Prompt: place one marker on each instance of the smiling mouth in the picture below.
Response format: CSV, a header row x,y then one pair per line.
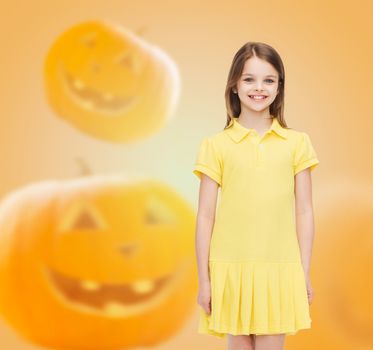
x,y
113,299
94,100
258,97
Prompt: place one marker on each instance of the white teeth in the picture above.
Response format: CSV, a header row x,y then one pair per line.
x,y
113,308
78,84
144,286
141,287
90,285
257,97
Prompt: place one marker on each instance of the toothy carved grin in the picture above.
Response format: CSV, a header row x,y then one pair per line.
x,y
92,99
113,299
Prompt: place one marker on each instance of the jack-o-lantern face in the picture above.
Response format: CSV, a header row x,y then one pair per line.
x,y
110,83
97,255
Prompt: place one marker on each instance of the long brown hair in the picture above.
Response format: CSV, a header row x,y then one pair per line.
x,y
264,52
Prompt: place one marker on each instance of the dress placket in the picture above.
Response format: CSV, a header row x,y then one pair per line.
x,y
259,147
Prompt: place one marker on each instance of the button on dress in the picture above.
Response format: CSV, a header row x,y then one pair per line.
x,y
257,279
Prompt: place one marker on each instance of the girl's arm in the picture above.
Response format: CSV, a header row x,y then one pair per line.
x,y
208,193
304,216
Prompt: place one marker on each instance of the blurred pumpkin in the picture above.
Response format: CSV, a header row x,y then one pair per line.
x,y
99,262
110,83
341,270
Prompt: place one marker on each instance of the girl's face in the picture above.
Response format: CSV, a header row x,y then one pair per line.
x,y
259,78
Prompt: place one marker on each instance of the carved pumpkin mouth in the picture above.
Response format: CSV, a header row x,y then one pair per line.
x,y
113,300
94,100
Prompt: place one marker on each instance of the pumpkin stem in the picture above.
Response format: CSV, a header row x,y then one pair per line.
x,y
84,167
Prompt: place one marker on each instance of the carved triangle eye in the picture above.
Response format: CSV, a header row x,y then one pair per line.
x,y
82,216
158,212
85,220
127,60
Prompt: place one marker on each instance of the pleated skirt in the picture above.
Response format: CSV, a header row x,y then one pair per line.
x,y
254,297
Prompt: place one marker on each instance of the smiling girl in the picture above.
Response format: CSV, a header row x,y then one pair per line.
x,y
254,249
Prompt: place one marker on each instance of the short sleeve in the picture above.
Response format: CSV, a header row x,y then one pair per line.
x,y
208,161
305,155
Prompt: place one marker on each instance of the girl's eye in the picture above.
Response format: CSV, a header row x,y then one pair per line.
x,y
270,80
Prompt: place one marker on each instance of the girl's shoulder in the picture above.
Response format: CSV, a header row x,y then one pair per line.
x,y
212,145
217,138
304,151
297,135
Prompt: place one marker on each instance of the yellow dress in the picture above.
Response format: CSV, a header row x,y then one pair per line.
x,y
256,275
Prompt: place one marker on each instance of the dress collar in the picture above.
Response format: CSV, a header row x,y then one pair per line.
x,y
237,131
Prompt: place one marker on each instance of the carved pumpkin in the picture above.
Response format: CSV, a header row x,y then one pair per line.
x,y
109,83
99,262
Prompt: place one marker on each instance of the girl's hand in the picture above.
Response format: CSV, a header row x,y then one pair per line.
x,y
204,296
309,289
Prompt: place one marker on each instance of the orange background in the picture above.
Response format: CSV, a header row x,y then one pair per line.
x,y
327,53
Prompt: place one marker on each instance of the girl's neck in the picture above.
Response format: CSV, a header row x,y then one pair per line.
x,y
259,121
